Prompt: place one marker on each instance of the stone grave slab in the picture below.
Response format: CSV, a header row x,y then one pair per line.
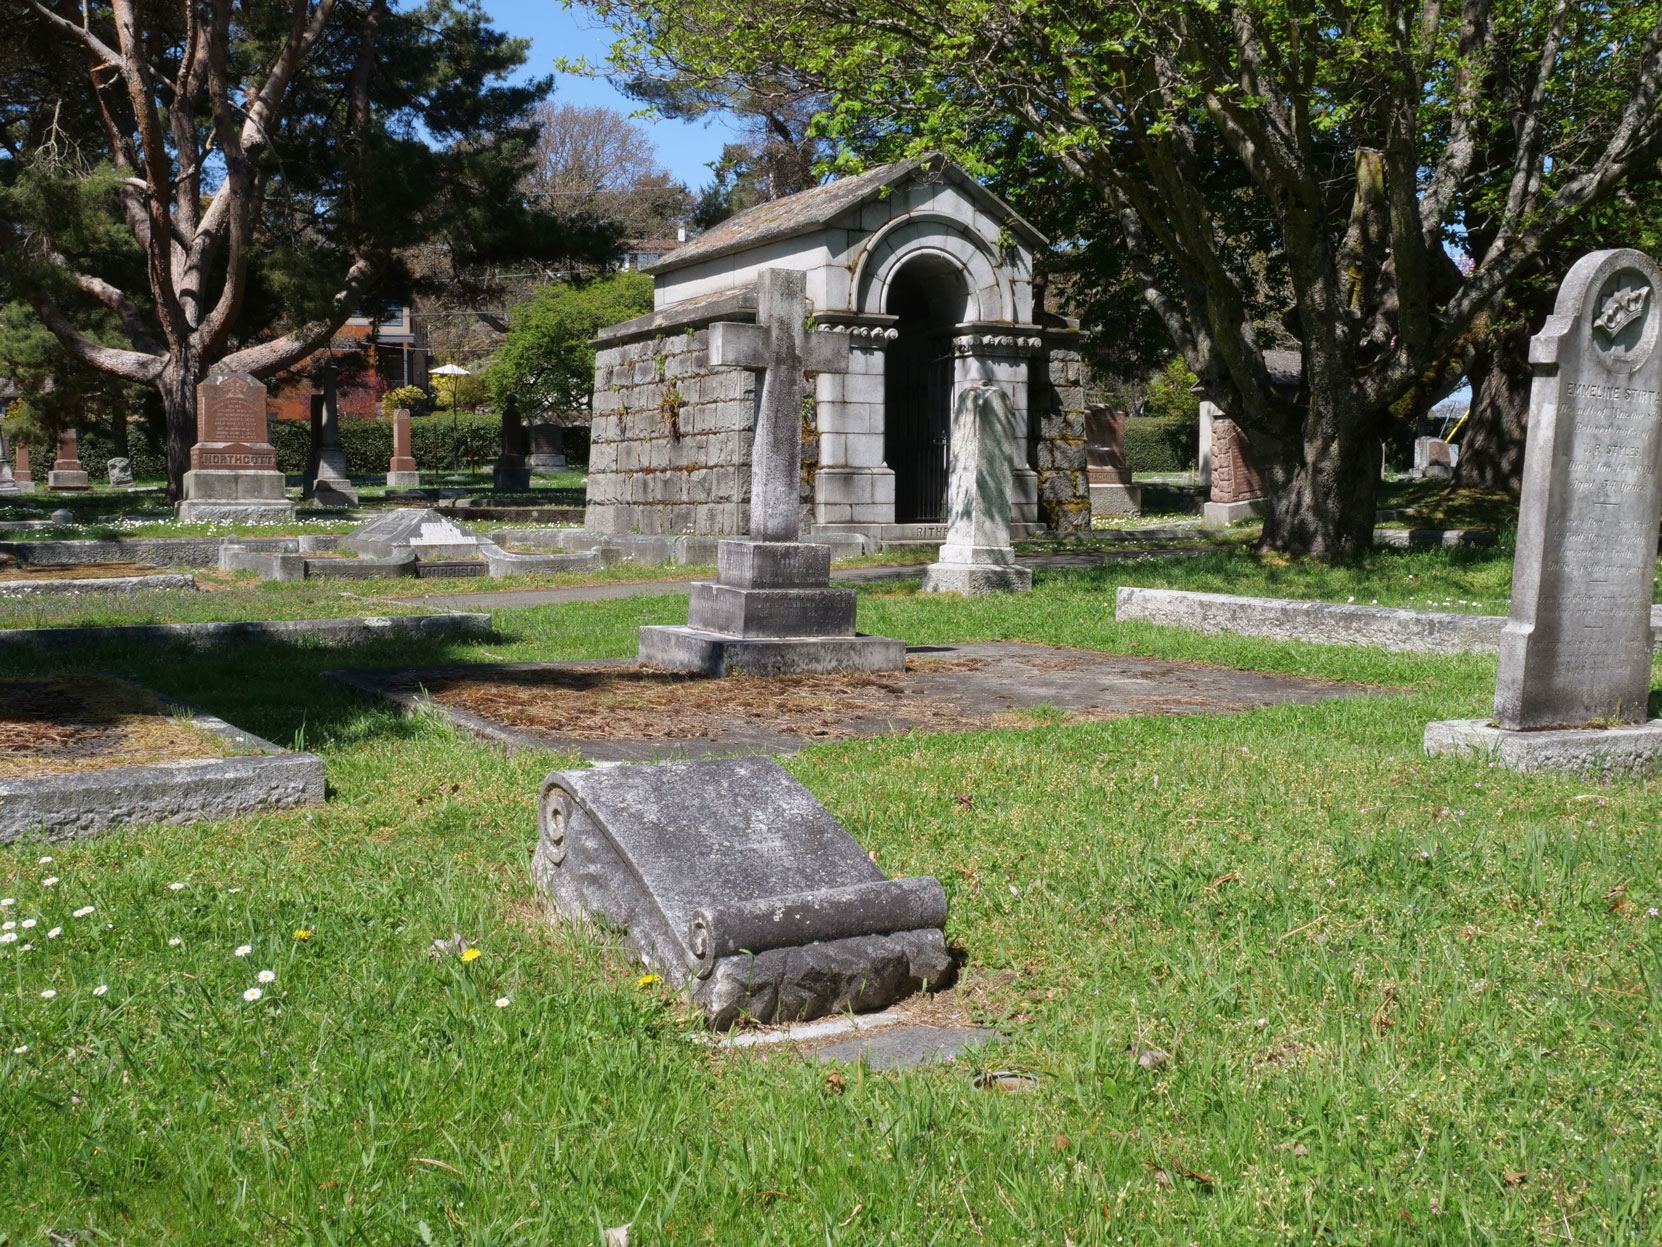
x,y
620,711
903,1047
771,609
733,882
233,476
78,757
417,530
1575,654
977,556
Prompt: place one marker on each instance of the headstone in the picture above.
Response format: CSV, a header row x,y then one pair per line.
x,y
977,556
1112,490
510,475
120,470
771,610
1575,655
738,887
547,448
401,471
1209,414
233,474
22,475
1433,458
1237,484
63,517
331,487
8,484
425,533
67,474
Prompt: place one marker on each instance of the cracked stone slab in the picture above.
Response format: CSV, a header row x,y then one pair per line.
x,y
904,1047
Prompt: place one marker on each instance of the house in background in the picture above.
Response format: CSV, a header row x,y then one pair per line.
x,y
372,357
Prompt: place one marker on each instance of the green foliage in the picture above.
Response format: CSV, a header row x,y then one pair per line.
x,y
1161,444
144,450
546,360
368,443
411,397
1170,393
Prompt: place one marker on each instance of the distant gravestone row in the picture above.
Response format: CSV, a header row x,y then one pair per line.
x,y
1575,658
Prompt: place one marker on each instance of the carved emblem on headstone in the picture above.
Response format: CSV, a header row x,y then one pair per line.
x,y
1620,324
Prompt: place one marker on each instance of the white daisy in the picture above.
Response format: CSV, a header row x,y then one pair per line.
x,y
502,1002
243,950
7,926
175,942
49,881
265,976
174,887
253,993
20,1049
8,938
27,923
6,902
48,994
27,948
100,989
46,861
54,933
83,911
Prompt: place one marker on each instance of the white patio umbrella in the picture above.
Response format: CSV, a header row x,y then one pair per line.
x,y
451,370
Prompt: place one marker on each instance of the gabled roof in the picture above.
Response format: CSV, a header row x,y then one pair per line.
x,y
813,209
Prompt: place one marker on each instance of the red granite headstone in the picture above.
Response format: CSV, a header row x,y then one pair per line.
x,y
230,426
1105,447
69,453
402,461
1235,474
21,473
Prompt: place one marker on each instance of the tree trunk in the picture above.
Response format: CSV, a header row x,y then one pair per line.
x,y
177,386
1323,492
1492,447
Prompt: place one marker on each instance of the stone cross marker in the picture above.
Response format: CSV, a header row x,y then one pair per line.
x,y
781,348
1577,647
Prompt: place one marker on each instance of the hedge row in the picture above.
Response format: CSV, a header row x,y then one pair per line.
x,y
93,445
435,444
1161,443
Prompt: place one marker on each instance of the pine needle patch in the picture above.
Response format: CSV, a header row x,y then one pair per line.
x,y
53,727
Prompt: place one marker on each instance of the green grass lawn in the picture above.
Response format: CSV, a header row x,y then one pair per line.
x,y
1405,1000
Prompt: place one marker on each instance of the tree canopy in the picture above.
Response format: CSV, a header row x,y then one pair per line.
x,y
546,361
1338,152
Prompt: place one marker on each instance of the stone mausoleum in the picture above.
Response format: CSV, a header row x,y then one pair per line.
x,y
930,276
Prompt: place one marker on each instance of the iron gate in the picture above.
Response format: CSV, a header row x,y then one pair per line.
x,y
918,421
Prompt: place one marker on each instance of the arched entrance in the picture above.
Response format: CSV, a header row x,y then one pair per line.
x,y
928,297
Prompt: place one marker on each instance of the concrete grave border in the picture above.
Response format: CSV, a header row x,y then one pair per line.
x,y
1321,623
164,583
352,630
1629,749
84,803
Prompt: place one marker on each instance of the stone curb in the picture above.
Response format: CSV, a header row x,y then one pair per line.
x,y
170,583
1632,749
84,803
350,631
1324,623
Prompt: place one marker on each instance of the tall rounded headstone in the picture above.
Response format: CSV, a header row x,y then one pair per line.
x,y
1577,647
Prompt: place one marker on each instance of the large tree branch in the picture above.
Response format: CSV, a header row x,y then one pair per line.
x,y
266,358
133,366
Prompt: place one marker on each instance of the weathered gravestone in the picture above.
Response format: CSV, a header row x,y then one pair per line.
x,y
547,447
233,474
120,470
401,471
510,475
67,474
977,556
1575,655
22,475
736,885
8,484
771,610
1237,489
331,487
1112,490
1434,458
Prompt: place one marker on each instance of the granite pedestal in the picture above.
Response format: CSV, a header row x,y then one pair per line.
x,y
977,556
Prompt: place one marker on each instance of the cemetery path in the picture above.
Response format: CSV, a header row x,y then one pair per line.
x,y
511,599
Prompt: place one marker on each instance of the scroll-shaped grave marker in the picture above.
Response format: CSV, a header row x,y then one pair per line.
x,y
737,885
1575,655
977,556
771,609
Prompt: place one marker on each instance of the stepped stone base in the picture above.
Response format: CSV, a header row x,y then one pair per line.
x,y
215,511
709,653
1222,514
1632,750
68,481
403,480
975,579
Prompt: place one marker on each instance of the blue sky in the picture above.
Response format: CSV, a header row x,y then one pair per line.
x,y
684,148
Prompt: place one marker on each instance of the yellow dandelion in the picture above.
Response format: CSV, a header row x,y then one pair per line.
x,y
472,954
646,980
302,934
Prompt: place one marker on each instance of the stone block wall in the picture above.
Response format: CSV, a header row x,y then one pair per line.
x,y
669,448
1057,399
1235,474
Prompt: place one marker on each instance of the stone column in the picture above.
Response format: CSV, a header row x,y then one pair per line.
x,y
1004,360
977,556
67,474
1237,484
1112,490
510,474
331,488
401,471
1209,412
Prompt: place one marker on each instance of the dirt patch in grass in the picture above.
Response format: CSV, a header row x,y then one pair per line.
x,y
52,727
11,571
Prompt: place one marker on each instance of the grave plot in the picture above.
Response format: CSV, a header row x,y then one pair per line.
x,y
34,579
622,711
81,755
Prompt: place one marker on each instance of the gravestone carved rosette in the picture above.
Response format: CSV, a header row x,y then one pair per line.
x,y
233,474
1575,654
